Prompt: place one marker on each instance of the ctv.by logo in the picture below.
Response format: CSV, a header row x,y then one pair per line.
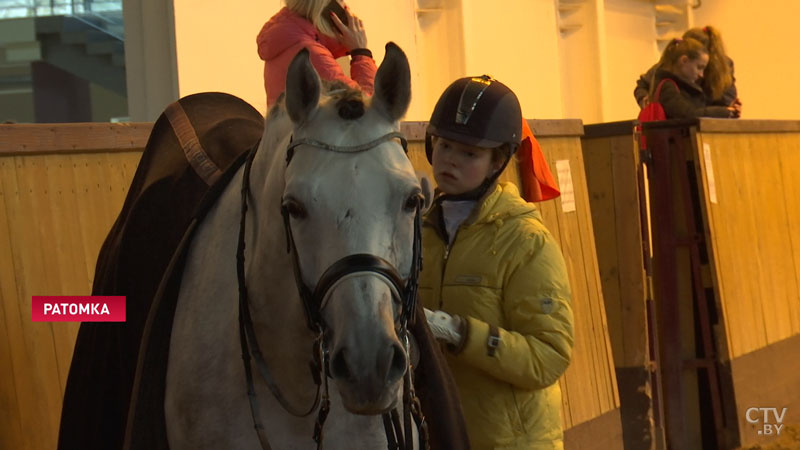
x,y
769,427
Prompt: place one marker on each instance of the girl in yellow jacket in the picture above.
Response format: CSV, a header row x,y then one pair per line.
x,y
494,283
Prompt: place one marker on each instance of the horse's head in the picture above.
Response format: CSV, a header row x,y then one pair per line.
x,y
342,201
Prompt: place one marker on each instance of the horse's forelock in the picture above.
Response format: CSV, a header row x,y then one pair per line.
x,y
348,101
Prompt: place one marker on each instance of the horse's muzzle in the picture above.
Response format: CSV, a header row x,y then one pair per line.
x,y
368,381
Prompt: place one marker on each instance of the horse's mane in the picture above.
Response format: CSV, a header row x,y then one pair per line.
x,y
349,101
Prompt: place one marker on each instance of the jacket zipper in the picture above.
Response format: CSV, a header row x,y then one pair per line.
x,y
447,248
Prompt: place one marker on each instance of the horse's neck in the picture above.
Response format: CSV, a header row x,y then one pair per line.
x,y
277,310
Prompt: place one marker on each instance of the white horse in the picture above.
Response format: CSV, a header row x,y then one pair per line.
x,y
346,187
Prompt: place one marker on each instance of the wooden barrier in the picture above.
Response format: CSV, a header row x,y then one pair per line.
x,y
744,197
614,179
61,187
725,274
749,179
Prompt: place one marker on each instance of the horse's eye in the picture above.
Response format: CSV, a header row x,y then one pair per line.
x,y
294,208
412,202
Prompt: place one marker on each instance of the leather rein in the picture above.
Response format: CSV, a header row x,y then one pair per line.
x,y
398,435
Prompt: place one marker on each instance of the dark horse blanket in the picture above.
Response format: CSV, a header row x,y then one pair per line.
x,y
195,147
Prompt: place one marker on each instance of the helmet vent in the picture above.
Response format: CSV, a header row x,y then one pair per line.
x,y
470,96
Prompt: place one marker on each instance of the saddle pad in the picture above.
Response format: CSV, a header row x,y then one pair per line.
x,y
166,190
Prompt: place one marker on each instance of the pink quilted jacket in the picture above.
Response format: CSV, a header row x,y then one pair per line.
x,y
285,34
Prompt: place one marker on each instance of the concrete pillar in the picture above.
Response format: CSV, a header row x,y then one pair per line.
x,y
150,57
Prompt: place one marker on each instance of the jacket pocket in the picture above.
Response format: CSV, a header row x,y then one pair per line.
x,y
480,302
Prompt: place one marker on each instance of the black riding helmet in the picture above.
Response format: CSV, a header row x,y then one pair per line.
x,y
478,111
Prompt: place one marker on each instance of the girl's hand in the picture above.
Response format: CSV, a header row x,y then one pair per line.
x,y
352,35
445,327
735,108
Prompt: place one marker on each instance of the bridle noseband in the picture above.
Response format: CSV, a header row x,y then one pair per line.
x,y
362,262
314,302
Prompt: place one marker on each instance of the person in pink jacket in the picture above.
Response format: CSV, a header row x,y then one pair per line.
x,y
311,24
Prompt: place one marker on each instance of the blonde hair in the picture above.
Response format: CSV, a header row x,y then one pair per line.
x,y
311,10
717,76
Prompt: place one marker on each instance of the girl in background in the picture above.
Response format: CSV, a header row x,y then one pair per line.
x,y
329,31
717,81
677,75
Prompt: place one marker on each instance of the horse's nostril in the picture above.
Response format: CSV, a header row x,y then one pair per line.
x,y
339,368
399,364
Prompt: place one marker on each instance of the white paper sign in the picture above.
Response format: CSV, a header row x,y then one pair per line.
x,y
565,184
712,186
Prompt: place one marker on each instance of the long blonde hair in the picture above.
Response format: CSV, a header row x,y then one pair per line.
x,y
718,77
312,11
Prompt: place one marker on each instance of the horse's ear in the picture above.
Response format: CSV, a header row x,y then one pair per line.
x,y
302,87
393,84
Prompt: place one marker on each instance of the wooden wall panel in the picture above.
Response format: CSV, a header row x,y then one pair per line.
x,y
579,248
55,210
625,164
753,242
611,171
751,229
67,243
611,156
32,348
600,178
789,151
11,435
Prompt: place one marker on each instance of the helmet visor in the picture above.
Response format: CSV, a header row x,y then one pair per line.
x,y
463,137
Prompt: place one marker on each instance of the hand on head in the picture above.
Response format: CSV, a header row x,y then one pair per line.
x,y
352,35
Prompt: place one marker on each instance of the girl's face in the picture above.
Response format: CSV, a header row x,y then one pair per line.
x,y
460,168
692,69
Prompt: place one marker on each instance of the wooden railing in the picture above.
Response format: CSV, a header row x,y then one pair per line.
x,y
709,223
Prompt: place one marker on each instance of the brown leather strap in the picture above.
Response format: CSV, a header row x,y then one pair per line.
x,y
494,340
197,157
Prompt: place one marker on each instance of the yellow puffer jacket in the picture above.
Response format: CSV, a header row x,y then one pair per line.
x,y
503,269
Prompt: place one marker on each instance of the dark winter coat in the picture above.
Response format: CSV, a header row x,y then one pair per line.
x,y
686,100
643,88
